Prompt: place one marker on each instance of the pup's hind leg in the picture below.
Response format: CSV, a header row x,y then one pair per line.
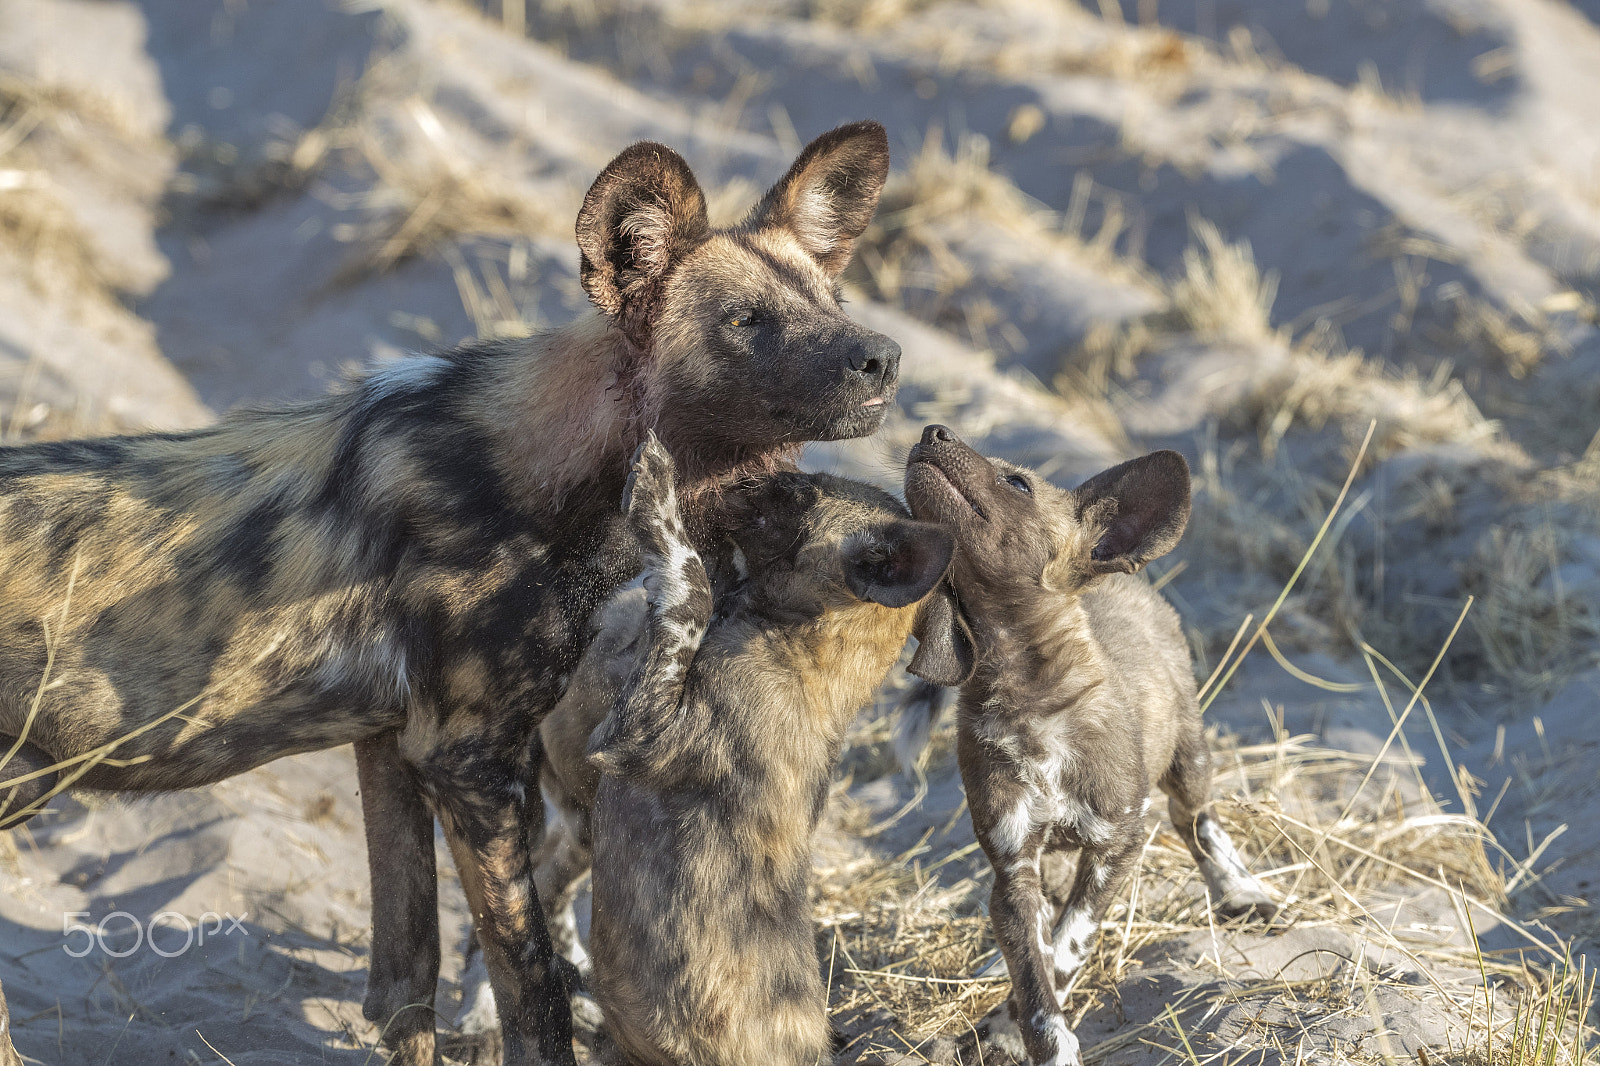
x,y
27,798
1235,892
560,865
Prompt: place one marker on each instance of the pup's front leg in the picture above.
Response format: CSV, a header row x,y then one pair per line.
x,y
678,595
1103,869
403,968
675,582
1021,917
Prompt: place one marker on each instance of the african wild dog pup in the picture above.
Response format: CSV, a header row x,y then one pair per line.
x,y
1082,697
410,564
718,753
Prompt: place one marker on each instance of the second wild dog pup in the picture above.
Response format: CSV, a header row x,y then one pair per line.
x,y
718,753
1083,696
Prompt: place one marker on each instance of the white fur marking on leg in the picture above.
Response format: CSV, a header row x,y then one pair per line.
x,y
478,1011
1074,939
1041,930
1055,1028
1012,830
1224,868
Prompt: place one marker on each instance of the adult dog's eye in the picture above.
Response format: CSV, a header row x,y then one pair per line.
x,y
1017,481
741,318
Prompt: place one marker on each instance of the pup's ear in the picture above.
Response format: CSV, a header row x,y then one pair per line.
x,y
945,654
828,197
642,215
898,564
1137,511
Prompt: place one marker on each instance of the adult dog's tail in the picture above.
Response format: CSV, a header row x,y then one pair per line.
x,y
33,770
924,705
8,1054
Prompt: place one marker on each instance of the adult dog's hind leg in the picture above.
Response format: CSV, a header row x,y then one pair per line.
x,y
403,969
1235,892
26,798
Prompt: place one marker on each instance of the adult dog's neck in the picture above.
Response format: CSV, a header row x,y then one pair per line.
x,y
567,409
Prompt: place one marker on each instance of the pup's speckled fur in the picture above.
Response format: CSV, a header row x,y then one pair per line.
x,y
727,722
1082,698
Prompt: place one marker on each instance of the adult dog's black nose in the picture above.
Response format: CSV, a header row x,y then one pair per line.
x,y
937,433
876,358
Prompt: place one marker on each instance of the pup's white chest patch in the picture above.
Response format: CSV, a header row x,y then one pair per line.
x,y
1047,798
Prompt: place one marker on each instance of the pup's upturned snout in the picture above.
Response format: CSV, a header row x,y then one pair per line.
x,y
937,441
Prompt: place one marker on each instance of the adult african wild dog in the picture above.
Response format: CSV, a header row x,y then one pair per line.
x,y
1083,697
719,748
410,564
8,1053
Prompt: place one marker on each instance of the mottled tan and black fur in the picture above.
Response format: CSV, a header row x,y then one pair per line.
x,y
8,1053
718,752
410,564
1083,697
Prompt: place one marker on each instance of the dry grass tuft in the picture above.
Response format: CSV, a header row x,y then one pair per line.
x,y
1535,634
1516,341
914,254
35,222
1312,388
1222,294
866,14
426,195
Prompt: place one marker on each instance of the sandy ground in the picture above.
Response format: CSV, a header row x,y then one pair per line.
x,y
1245,229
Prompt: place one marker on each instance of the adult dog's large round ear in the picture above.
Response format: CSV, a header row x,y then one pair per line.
x,y
898,564
1138,509
828,196
642,215
945,653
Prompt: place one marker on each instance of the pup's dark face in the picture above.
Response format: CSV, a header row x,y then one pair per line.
x,y
739,341
1016,532
827,550
816,544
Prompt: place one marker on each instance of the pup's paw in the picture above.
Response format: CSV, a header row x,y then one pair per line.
x,y
995,967
587,1018
649,499
478,1015
999,1032
1249,902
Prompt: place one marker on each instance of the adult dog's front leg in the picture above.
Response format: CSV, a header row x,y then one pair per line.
x,y
487,838
403,967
